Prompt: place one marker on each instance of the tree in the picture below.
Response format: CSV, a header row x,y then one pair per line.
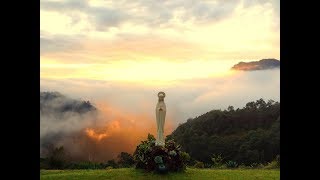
x,y
125,159
112,163
261,104
57,158
270,103
231,109
250,105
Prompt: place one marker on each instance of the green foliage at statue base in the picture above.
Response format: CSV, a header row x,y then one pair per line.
x,y
160,159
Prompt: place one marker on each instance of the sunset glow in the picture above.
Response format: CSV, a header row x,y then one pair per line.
x,y
136,71
119,54
98,136
78,44
129,128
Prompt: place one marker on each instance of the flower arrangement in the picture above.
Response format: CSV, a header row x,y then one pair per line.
x,y
161,159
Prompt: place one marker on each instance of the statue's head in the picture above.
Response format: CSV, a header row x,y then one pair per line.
x,y
161,96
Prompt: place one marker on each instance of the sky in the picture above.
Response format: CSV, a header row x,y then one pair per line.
x,y
119,54
132,40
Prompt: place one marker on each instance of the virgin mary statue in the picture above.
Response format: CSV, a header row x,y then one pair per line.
x,y
160,116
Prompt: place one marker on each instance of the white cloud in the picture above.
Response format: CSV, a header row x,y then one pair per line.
x,y
218,29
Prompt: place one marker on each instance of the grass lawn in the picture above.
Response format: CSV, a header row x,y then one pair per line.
x,y
130,173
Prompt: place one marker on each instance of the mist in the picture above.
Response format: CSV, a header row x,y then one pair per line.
x,y
184,98
90,134
126,111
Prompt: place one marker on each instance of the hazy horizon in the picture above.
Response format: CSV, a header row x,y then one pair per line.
x,y
120,54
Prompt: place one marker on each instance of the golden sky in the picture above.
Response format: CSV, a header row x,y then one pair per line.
x,y
156,41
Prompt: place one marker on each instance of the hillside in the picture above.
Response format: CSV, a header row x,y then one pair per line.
x,y
55,102
247,135
60,117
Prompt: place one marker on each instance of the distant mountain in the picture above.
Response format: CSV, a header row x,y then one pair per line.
x,y
263,64
55,102
61,117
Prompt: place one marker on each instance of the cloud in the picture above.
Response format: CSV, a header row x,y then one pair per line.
x,y
112,30
152,13
60,114
100,17
59,43
275,4
263,64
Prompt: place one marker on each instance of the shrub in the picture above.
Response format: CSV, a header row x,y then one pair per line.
x,y
44,163
86,165
125,160
199,164
274,164
222,167
278,159
109,167
112,163
231,164
185,157
242,166
150,157
256,165
207,165
217,160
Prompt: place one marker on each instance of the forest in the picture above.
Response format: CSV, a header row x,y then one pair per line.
x,y
250,135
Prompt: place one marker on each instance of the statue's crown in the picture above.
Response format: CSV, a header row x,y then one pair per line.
x,y
161,94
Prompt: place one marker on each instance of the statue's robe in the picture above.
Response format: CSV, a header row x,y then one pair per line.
x,y
160,115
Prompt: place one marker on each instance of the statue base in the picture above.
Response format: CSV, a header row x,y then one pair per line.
x,y
160,143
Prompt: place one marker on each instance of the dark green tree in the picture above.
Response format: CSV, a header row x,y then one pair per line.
x,y
125,159
112,163
57,158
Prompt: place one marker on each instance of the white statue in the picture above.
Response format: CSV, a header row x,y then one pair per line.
x,y
160,115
